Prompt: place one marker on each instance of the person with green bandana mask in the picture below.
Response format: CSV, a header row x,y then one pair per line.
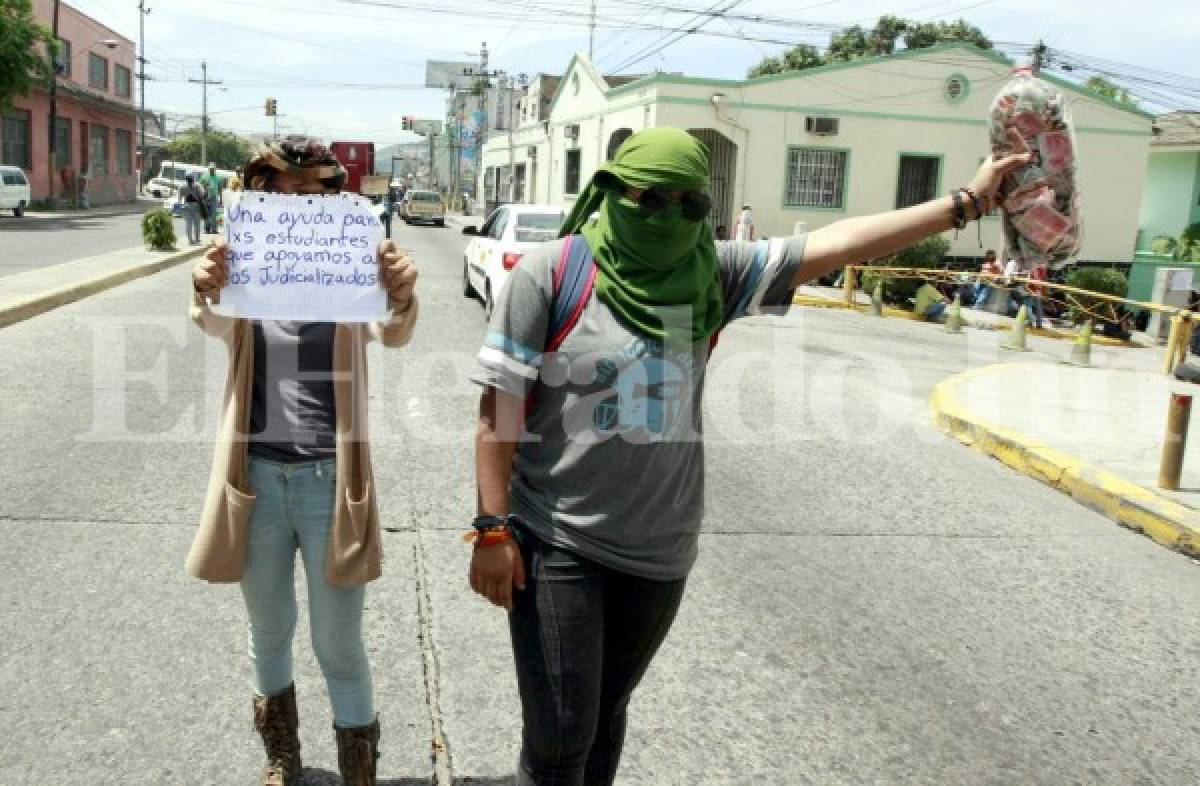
x,y
590,458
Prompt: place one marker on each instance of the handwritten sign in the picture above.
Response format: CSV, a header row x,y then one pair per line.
x,y
309,257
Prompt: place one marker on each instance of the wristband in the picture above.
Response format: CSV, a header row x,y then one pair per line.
x,y
975,203
489,536
483,521
960,213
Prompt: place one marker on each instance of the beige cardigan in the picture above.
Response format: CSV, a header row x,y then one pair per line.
x,y
218,551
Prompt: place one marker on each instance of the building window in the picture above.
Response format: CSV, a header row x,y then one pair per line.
x,y
121,81
97,71
571,184
816,177
124,152
917,181
98,152
16,140
489,183
62,141
62,58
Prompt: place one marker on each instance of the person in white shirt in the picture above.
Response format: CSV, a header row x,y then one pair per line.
x,y
744,230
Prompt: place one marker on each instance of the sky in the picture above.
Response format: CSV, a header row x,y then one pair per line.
x,y
352,69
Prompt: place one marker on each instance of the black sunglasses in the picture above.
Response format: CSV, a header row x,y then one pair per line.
x,y
695,205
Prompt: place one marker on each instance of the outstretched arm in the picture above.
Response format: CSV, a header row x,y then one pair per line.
x,y
858,239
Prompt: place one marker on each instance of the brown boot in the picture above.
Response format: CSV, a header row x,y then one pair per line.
x,y
276,719
358,748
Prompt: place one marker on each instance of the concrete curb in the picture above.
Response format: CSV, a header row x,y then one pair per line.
x,y
1165,521
42,302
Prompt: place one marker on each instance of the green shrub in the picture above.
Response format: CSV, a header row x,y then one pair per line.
x,y
158,230
1164,245
1106,281
927,254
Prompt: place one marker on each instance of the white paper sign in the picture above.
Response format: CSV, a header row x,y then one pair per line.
x,y
307,257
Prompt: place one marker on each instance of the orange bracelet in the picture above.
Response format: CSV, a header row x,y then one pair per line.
x,y
489,536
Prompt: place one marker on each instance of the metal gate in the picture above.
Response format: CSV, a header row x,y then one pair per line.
x,y
723,152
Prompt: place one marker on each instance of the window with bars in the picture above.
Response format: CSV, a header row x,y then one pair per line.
x,y
122,81
16,140
98,151
124,152
62,58
917,180
816,177
571,182
97,71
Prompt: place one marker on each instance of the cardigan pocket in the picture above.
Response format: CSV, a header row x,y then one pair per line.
x,y
239,506
218,551
360,513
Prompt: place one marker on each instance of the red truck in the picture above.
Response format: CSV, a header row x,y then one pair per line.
x,y
358,158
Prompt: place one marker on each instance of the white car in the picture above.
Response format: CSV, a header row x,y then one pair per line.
x,y
14,190
161,188
497,247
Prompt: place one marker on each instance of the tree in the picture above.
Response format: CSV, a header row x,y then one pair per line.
x,y
24,51
931,33
854,41
1106,89
225,149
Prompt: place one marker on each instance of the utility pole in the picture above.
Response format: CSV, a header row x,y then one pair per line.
x,y
52,157
141,60
592,30
205,81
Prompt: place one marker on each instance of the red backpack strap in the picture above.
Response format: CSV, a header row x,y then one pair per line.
x,y
574,277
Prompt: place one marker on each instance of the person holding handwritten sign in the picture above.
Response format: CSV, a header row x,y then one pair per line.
x,y
292,470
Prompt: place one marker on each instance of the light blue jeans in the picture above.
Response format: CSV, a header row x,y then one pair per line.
x,y
294,509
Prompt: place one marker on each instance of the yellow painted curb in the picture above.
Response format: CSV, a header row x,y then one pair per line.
x,y
42,302
1165,521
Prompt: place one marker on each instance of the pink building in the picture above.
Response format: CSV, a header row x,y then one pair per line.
x,y
96,128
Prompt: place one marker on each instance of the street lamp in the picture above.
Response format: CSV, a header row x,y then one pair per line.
x,y
52,156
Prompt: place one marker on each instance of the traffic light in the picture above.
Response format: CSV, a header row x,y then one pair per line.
x,y
407,124
271,107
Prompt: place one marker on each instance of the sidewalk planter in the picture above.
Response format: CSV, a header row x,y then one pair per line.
x,y
158,230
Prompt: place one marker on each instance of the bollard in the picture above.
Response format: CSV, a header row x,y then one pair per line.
x,y
848,286
954,323
876,309
1081,350
1179,412
1017,344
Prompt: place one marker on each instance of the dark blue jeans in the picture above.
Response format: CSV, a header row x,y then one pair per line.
x,y
583,636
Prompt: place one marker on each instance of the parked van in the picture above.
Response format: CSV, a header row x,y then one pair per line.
x,y
14,190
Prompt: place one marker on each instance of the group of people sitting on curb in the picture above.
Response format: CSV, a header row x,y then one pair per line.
x,y
995,290
589,490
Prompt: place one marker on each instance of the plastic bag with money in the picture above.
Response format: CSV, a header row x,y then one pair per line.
x,y
1041,201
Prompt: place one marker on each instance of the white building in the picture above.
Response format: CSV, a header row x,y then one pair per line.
x,y
814,146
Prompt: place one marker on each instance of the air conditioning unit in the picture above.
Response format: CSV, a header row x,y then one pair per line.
x,y
821,126
571,131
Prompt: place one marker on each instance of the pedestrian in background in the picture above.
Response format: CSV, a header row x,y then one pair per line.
x,y
235,182
212,188
983,290
192,197
1036,291
292,471
589,447
743,230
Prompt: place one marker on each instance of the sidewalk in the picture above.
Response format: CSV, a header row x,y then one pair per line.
x,y
1093,433
34,292
142,205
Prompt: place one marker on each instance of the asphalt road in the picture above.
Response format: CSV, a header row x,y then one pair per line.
x,y
33,242
874,603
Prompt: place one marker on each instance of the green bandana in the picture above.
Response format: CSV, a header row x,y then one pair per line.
x,y
658,268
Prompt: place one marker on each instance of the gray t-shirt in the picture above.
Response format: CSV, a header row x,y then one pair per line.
x,y
292,413
612,465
